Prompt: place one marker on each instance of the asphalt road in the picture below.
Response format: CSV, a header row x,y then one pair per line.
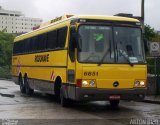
x,y
43,109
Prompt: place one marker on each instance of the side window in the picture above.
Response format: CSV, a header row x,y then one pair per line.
x,y
62,34
15,48
41,43
52,40
27,45
33,43
22,46
24,49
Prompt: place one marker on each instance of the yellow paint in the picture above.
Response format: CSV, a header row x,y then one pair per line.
x,y
125,74
66,21
107,73
41,70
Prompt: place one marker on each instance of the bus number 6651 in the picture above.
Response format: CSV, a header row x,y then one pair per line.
x,y
90,73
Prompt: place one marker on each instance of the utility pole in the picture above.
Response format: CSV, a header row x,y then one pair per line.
x,y
142,14
142,11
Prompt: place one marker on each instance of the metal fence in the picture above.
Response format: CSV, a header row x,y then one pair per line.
x,y
153,87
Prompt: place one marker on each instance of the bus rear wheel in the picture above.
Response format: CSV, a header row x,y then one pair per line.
x,y
29,91
22,85
114,103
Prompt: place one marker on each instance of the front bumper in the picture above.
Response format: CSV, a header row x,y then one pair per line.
x,y
89,94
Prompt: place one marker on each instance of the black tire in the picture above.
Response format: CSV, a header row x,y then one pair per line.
x,y
114,103
22,85
29,90
57,88
64,102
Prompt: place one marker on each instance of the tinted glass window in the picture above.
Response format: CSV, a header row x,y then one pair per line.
x,y
52,40
41,44
33,44
62,33
27,45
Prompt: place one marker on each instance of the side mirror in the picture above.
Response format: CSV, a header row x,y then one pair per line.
x,y
73,42
73,37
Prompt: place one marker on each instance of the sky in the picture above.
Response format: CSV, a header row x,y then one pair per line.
x,y
49,9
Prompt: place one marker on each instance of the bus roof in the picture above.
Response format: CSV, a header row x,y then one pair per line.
x,y
44,28
103,17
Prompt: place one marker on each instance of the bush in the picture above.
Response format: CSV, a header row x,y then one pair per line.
x,y
5,72
6,43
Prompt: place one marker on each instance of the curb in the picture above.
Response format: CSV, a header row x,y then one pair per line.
x,y
7,95
6,79
151,101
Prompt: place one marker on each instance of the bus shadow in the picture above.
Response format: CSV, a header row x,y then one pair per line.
x,y
103,109
89,107
37,96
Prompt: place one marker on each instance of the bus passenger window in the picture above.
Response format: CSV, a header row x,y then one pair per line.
x,y
52,39
27,45
42,41
33,44
62,34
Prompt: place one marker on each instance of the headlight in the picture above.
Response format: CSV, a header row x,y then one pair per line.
x,y
142,83
88,83
92,83
139,83
85,83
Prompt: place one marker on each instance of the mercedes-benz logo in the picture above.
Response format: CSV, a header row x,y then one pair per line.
x,y
116,84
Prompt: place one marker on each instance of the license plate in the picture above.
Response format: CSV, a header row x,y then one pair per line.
x,y
115,97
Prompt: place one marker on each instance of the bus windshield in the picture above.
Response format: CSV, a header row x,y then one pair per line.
x,y
107,44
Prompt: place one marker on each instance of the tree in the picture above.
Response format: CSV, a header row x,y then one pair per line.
x,y
6,43
149,32
156,38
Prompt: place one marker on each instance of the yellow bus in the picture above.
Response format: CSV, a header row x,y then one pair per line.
x,y
83,58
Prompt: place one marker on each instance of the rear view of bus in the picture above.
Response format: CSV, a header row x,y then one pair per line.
x,y
107,59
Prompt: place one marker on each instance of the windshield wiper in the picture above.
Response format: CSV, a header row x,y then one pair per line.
x,y
124,54
103,57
